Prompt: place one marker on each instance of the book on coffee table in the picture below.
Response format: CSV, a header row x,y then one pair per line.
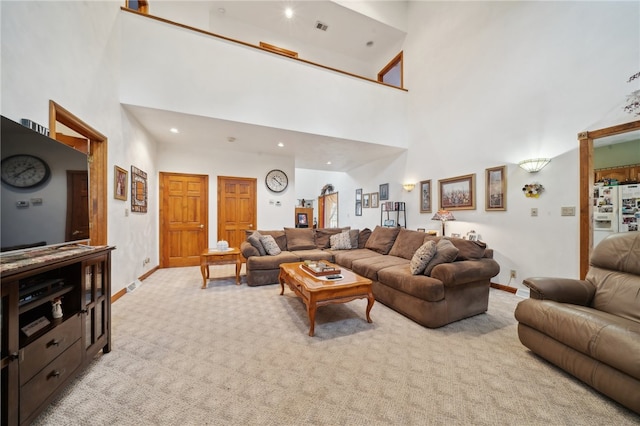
x,y
321,269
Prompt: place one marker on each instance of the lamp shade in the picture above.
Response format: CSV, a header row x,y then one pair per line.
x,y
443,215
534,165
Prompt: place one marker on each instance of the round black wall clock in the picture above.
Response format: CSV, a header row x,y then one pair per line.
x,y
24,171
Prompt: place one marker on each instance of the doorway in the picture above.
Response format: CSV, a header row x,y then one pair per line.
x,y
237,208
184,223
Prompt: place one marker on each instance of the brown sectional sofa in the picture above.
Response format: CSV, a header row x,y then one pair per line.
x,y
591,328
453,290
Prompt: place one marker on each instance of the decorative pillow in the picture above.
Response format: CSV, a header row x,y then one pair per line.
x,y
382,239
300,238
254,240
468,250
363,237
341,241
270,245
354,234
421,257
445,252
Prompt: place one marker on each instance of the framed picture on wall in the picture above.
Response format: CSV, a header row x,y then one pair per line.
x,y
496,189
120,183
374,200
138,190
358,194
358,208
384,191
365,200
425,196
458,193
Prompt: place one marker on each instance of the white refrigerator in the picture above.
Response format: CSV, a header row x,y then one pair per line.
x,y
629,214
605,209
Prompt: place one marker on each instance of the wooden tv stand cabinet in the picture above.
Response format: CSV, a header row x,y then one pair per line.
x,y
41,354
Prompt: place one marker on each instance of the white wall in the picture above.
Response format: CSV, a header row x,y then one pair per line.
x,y
43,59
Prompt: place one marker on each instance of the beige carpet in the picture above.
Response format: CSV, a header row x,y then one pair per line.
x,y
239,355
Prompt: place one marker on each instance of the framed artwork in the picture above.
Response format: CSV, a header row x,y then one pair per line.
x,y
458,193
358,194
138,190
384,191
365,200
422,230
374,200
425,196
302,219
496,189
358,208
120,183
390,223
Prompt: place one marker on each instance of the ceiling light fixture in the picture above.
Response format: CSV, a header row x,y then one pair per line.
x,y
288,12
369,43
329,162
231,139
280,144
534,165
174,130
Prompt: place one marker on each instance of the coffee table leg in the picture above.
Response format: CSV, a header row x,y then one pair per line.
x,y
370,299
311,309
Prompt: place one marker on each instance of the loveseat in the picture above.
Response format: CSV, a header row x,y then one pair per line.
x,y
453,285
591,328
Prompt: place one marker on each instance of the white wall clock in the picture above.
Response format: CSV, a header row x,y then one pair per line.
x,y
277,180
24,171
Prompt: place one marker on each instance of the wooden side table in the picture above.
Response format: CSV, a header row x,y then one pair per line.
x,y
219,257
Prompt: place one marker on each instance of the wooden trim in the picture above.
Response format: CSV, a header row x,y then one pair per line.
x,y
97,169
586,184
504,288
280,50
399,58
253,46
148,273
118,295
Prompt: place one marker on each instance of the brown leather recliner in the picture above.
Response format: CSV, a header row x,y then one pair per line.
x,y
591,328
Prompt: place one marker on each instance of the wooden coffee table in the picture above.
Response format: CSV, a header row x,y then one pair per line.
x,y
219,257
318,291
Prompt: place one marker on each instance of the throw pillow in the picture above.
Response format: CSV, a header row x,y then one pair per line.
x,y
421,257
323,235
363,237
300,238
254,240
407,243
270,245
445,253
468,250
382,239
355,234
341,241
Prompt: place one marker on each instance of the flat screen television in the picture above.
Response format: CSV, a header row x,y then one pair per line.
x,y
44,190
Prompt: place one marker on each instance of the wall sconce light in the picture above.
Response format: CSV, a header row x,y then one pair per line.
x,y
443,216
408,186
534,165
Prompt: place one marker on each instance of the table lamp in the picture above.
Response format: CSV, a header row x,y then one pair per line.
x,y
443,216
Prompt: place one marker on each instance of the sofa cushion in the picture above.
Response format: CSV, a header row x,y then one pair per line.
x,y
354,234
369,267
341,241
256,263
254,240
445,252
407,242
324,234
363,237
346,257
270,245
399,277
315,254
300,238
468,250
382,239
421,257
278,235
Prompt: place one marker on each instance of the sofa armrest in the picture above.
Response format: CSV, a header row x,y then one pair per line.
x,y
465,271
563,290
248,250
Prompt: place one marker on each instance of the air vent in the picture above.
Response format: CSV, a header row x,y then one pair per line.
x,y
321,26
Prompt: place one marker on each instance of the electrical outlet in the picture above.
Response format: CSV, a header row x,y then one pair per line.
x,y
513,274
567,211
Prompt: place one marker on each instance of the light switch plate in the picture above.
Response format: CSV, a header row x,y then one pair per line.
x,y
567,211
534,211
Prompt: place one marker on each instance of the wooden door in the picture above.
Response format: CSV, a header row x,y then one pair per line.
x,y
183,219
77,227
237,208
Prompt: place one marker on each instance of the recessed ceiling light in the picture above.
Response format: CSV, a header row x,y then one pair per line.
x,y
231,139
329,162
221,10
280,144
288,12
174,130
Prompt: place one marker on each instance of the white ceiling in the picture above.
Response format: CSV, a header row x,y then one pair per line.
x,y
347,35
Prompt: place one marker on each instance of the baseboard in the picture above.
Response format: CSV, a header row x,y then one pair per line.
x,y
123,291
504,287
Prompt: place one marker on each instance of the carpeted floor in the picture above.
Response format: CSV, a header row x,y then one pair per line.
x,y
239,355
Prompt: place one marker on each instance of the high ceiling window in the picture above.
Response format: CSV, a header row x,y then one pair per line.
x,y
392,73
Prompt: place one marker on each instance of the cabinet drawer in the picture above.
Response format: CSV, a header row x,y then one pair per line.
x,y
43,384
41,352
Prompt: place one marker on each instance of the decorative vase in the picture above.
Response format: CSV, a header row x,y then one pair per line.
x,y
222,245
56,309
